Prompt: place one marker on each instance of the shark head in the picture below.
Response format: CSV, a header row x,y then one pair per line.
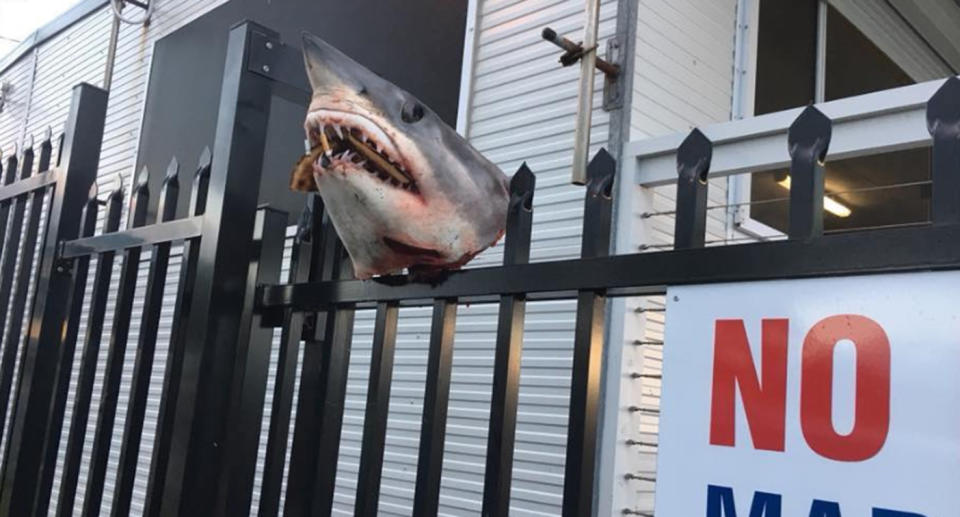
x,y
402,188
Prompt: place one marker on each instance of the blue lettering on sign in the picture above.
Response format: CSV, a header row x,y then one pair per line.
x,y
824,509
720,503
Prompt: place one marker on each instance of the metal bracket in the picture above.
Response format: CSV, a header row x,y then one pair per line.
x,y
612,84
575,51
280,63
611,66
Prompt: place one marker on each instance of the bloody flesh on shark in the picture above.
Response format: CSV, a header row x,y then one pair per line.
x,y
402,188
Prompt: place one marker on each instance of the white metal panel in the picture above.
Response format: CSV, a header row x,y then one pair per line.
x,y
683,78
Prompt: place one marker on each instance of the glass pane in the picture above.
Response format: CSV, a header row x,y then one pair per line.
x,y
854,64
786,55
879,190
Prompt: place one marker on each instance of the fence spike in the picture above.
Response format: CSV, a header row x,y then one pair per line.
x,y
46,149
26,163
173,170
117,187
139,196
169,193
943,123
94,191
522,184
693,166
29,144
142,179
48,135
201,181
11,167
808,140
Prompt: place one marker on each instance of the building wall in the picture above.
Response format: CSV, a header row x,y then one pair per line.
x,y
683,78
521,106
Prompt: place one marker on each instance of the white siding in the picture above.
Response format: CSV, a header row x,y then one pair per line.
x,y
20,79
683,79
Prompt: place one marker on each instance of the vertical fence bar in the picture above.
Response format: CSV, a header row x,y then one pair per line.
x,y
78,169
582,431
163,440
433,427
316,436
24,272
253,365
502,429
68,348
89,359
146,346
693,166
377,410
200,427
116,351
943,122
9,178
333,370
8,305
808,139
283,386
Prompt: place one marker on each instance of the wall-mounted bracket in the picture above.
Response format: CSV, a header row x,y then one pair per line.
x,y
575,51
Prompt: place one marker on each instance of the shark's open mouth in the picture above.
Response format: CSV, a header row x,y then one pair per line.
x,y
342,138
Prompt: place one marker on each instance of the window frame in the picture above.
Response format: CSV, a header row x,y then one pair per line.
x,y
739,221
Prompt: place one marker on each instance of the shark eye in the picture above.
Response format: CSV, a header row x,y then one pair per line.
x,y
411,112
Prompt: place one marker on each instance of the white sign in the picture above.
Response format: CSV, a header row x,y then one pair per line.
x,y
834,397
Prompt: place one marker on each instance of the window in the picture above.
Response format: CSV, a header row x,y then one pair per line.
x,y
807,51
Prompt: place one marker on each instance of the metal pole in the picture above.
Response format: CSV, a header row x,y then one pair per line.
x,y
112,51
581,145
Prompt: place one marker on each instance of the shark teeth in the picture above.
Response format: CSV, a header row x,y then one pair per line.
x,y
359,143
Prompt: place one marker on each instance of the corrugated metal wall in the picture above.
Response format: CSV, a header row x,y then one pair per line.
x,y
521,107
683,78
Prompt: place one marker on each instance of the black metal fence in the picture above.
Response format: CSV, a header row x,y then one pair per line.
x,y
230,297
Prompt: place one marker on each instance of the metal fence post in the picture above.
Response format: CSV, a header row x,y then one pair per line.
x,y
252,367
943,122
505,393
200,428
809,139
35,389
582,433
693,165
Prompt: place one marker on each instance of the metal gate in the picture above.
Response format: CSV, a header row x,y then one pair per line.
x,y
230,297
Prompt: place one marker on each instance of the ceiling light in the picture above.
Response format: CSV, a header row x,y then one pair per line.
x,y
829,204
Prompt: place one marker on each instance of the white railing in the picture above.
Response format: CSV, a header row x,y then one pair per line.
x,y
874,123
